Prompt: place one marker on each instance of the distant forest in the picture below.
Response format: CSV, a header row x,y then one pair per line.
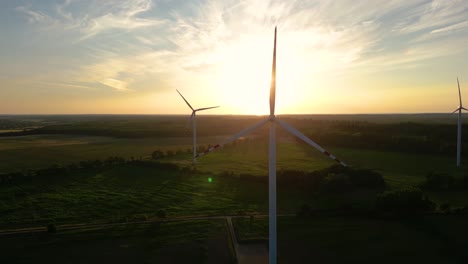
x,y
408,137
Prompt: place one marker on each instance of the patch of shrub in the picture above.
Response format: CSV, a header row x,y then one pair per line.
x,y
336,183
161,213
157,154
366,179
438,181
305,210
445,208
404,202
51,228
332,179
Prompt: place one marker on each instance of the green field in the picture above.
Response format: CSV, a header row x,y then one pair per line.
x,y
75,139
41,151
114,195
324,239
230,181
139,189
195,241
431,239
359,239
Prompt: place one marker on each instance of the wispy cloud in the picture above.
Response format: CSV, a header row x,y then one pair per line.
x,y
451,28
430,15
91,18
32,15
137,45
341,34
122,15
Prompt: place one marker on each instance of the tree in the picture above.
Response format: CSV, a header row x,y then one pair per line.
x,y
51,228
157,154
366,179
338,182
404,202
438,181
161,213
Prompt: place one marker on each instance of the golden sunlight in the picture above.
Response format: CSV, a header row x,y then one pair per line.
x,y
245,74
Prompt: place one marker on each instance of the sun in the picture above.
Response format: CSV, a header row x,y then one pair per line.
x,y
245,74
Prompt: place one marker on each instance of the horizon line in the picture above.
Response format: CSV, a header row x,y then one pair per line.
x,y
109,114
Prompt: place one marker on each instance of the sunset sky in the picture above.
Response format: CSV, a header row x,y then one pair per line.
x,y
129,57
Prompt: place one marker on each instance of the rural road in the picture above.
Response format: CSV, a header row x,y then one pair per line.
x,y
252,253
103,224
247,253
39,229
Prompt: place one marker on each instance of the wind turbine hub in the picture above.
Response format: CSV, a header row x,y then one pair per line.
x,y
272,118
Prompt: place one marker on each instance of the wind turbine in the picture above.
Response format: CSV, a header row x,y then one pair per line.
x,y
194,124
273,121
459,109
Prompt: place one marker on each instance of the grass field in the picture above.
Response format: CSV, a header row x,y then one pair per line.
x,y
200,241
28,152
135,192
124,193
327,239
145,190
399,169
323,239
41,151
218,186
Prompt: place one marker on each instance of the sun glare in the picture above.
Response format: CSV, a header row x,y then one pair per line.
x,y
244,77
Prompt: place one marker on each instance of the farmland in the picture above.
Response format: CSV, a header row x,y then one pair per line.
x,y
365,240
102,169
180,242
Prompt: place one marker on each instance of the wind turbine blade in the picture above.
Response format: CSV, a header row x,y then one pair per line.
x,y
454,111
190,119
273,81
206,108
464,108
308,140
185,100
459,93
236,136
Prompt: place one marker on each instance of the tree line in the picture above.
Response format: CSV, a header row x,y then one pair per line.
x,y
402,137
406,137
97,165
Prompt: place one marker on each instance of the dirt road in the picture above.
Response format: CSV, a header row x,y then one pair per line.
x,y
247,253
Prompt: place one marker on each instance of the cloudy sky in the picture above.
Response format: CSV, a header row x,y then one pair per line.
x,y
95,56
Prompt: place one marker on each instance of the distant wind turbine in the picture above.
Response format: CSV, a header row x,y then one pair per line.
x,y
272,155
459,109
194,124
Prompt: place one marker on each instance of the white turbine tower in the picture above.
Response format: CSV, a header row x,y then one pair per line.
x,y
194,124
459,109
272,155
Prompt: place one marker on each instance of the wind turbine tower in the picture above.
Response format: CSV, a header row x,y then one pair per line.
x,y
193,118
273,121
459,109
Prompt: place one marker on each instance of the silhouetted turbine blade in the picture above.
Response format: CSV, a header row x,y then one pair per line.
x,y
236,136
308,141
459,93
205,108
185,100
190,119
273,81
